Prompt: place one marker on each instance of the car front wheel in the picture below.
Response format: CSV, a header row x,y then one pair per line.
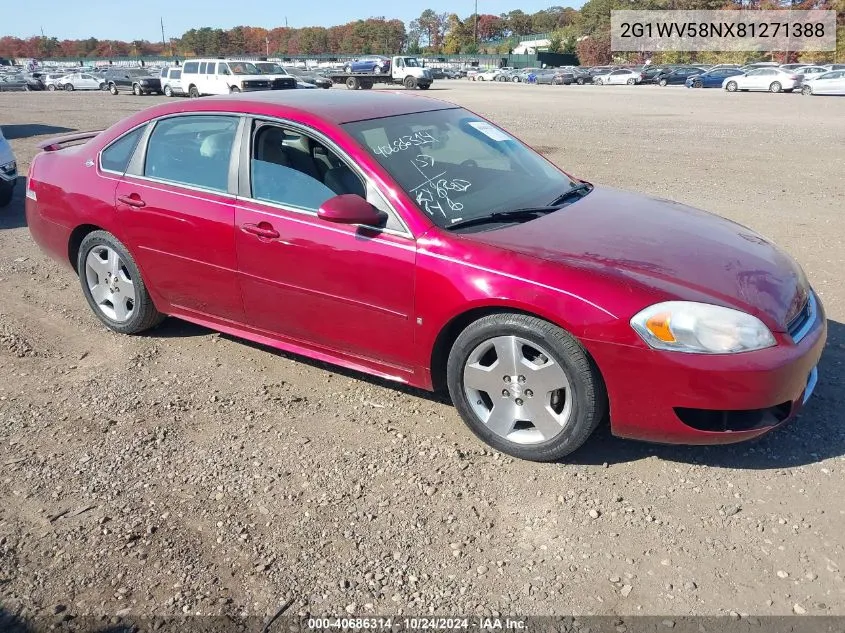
x,y
113,89
731,86
525,386
69,87
112,285
168,91
806,91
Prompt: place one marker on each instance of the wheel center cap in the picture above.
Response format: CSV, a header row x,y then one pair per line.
x,y
516,390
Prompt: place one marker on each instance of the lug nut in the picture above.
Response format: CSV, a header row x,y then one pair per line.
x,y
507,378
505,393
522,379
529,393
519,402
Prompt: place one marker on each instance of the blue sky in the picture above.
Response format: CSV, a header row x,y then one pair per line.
x,y
140,20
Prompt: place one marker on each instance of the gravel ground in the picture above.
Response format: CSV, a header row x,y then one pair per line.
x,y
189,472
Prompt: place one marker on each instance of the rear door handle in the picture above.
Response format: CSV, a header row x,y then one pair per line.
x,y
262,229
132,200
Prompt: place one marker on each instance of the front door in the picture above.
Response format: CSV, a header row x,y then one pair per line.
x,y
176,208
340,287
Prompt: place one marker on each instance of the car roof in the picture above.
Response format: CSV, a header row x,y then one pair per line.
x,y
336,106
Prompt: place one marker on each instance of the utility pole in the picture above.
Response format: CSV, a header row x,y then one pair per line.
x,y
267,43
163,41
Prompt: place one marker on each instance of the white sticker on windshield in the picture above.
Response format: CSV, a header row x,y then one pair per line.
x,y
490,131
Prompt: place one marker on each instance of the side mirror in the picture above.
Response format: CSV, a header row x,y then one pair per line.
x,y
349,208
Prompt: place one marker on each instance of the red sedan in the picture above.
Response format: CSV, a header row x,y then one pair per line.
x,y
411,239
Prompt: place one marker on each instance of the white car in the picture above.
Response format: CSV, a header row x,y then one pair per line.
x,y
225,76
770,79
619,77
830,83
171,81
80,81
51,79
810,71
8,171
488,75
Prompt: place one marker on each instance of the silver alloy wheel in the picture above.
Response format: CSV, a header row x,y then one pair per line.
x,y
517,390
110,284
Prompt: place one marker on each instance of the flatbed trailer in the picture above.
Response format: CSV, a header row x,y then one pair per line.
x,y
365,81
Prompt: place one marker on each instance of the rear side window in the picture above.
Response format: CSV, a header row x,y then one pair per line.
x,y
116,156
192,150
175,74
190,67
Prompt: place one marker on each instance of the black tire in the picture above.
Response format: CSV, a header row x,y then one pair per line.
x,y
234,90
662,83
580,82
113,89
69,87
807,91
168,91
631,81
589,403
410,83
598,82
7,190
424,86
698,84
731,86
193,92
136,90
352,83
775,86
366,85
145,314
102,86
51,87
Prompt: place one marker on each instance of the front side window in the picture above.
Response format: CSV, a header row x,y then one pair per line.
x,y
175,74
116,156
192,150
222,69
190,67
456,166
244,68
294,170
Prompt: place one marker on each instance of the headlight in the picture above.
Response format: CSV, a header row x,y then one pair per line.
x,y
700,328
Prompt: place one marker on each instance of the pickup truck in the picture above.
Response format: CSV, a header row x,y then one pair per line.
x,y
135,80
404,70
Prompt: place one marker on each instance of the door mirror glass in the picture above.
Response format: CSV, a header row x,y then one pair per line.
x,y
349,208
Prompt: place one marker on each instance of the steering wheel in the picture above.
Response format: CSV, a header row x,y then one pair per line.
x,y
469,163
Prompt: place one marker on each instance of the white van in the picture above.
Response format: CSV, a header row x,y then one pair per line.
x,y
224,76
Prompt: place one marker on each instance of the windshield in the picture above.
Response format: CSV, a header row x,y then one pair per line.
x,y
270,68
138,73
244,68
294,71
412,62
456,166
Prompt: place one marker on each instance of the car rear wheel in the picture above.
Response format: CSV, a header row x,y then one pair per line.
x,y
51,87
579,81
113,286
731,86
69,87
193,92
113,89
410,83
632,81
515,80
806,91
136,90
775,87
168,91
525,386
662,82
598,82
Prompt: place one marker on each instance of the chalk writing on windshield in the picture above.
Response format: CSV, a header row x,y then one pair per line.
x,y
405,142
436,190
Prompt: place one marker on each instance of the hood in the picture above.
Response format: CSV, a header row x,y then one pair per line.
x,y
679,251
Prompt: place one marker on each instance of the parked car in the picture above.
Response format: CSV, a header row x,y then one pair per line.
x,y
80,81
554,76
582,76
506,75
138,81
830,83
541,302
51,79
522,74
835,66
763,78
171,81
650,72
675,76
302,77
378,64
810,71
14,83
8,171
617,77
713,78
488,75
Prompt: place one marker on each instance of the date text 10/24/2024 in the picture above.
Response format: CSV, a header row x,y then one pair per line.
x,y
416,623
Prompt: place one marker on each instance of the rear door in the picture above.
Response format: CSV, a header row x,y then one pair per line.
x,y
176,207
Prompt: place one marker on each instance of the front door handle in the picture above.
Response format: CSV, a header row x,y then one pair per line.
x,y
262,229
132,200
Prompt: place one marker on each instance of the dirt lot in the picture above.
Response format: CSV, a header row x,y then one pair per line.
x,y
188,472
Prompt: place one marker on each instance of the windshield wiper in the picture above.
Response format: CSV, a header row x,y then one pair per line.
x,y
505,216
582,189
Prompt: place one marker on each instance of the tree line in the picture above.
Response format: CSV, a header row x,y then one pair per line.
x,y
585,32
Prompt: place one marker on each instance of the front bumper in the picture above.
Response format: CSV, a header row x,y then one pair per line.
x,y
677,398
